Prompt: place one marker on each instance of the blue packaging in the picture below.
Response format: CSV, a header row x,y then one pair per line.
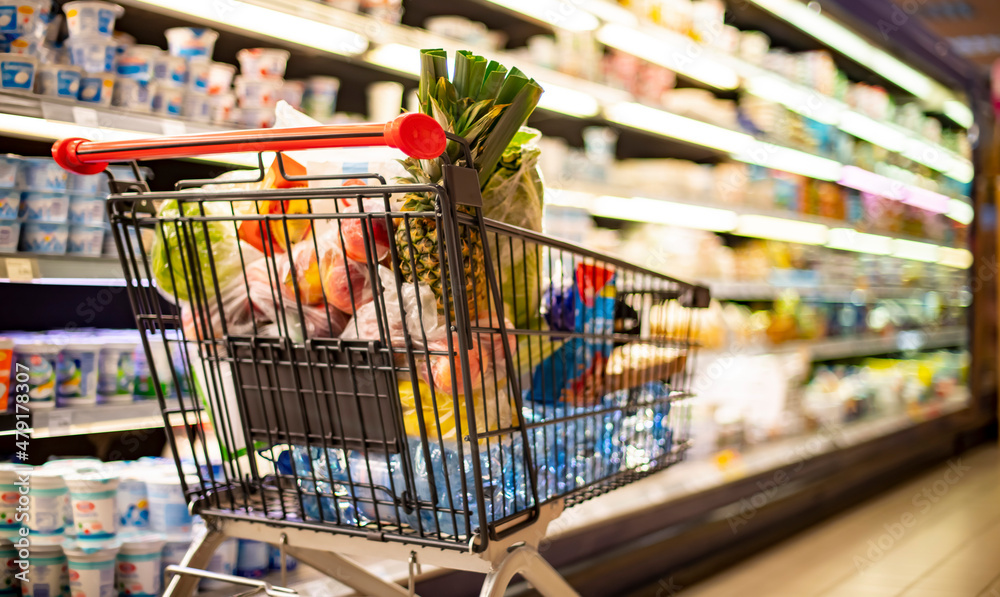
x,y
96,89
76,375
254,559
17,72
275,559
85,240
84,184
41,361
41,174
44,207
86,209
92,18
10,202
168,510
44,238
10,231
9,166
93,54
59,80
132,503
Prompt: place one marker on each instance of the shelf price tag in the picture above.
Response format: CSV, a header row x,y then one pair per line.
x,y
85,117
59,423
20,270
172,128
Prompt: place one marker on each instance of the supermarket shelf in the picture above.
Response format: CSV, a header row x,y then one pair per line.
x,y
832,349
43,118
61,422
763,291
61,269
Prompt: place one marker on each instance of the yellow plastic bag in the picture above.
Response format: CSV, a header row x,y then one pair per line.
x,y
492,409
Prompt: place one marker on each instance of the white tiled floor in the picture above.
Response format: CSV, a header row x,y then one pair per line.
x,y
937,536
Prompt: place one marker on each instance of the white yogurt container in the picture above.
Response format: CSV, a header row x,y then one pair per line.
x,y
197,106
42,174
58,80
47,502
41,360
9,166
20,16
86,209
11,475
90,17
258,63
132,502
255,118
133,95
65,467
258,92
10,202
76,375
97,88
92,495
168,510
136,62
43,238
320,98
49,575
170,71
17,71
40,206
199,71
292,93
8,568
86,240
191,42
139,567
116,372
91,572
223,107
93,53
10,231
254,559
168,100
87,184
220,77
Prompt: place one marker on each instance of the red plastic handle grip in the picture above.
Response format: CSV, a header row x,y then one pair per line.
x,y
417,135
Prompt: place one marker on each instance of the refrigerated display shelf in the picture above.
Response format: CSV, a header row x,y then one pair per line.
x,y
104,418
61,269
849,347
763,291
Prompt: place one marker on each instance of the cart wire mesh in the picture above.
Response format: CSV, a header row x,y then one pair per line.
x,y
430,377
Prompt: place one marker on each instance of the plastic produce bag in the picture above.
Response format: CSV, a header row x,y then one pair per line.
x,y
205,246
514,195
492,410
346,282
421,313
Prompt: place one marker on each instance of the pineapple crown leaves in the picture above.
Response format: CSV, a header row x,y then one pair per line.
x,y
484,103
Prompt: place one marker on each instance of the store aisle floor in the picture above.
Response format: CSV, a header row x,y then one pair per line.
x,y
935,536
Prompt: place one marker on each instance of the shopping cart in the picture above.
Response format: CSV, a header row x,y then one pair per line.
x,y
362,380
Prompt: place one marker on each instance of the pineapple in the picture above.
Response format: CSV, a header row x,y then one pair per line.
x,y
486,106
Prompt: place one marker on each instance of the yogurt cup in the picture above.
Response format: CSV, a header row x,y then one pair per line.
x,y
275,559
136,62
116,372
132,503
21,16
133,95
38,206
41,361
124,41
9,166
87,184
17,71
254,559
197,106
92,496
255,118
97,88
168,510
26,44
91,572
320,98
222,107
257,63
170,71
90,17
58,80
11,477
10,231
168,100
42,174
93,53
10,202
86,209
8,568
292,92
199,70
43,238
220,77
76,374
191,42
223,562
89,241
67,466
46,502
49,572
139,569
257,93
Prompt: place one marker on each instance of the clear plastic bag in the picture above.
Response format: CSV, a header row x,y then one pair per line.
x,y
421,312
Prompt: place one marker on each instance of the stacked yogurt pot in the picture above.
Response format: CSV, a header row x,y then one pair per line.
x,y
259,85
93,48
23,27
186,78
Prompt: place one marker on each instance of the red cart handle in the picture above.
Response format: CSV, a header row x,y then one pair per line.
x,y
416,134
